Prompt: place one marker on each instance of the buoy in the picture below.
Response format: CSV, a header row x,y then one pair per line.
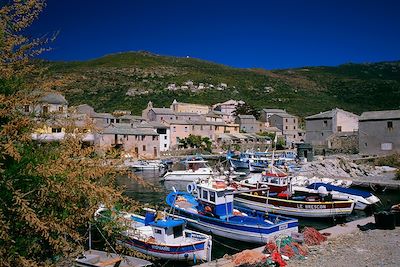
x,y
207,209
191,187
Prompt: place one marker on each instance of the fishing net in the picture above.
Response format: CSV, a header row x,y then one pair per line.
x,y
249,258
313,237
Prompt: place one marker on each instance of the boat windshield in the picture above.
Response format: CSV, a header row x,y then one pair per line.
x,y
178,231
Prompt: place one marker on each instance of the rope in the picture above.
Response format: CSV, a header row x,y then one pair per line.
x,y
225,245
105,239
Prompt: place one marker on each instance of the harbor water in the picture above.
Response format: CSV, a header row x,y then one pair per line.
x,y
153,194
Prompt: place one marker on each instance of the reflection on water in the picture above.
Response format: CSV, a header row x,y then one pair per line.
x,y
155,191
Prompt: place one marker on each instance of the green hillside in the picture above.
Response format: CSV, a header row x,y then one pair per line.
x,y
130,80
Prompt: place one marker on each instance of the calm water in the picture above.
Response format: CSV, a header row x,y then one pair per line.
x,y
154,195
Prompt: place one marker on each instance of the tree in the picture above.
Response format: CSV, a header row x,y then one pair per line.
x,y
48,191
196,141
246,109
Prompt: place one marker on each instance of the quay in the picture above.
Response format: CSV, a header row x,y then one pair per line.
x,y
335,232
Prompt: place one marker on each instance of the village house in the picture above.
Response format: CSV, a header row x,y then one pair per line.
x,y
320,127
228,108
247,123
135,141
179,107
49,103
289,126
266,113
162,130
379,132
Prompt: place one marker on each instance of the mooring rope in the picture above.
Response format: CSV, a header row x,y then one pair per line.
x,y
225,245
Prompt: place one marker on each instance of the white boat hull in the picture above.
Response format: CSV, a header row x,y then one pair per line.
x,y
187,176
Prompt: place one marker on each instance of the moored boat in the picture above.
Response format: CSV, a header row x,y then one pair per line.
x,y
213,212
161,236
195,168
279,198
362,199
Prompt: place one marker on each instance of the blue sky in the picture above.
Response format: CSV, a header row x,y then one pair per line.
x,y
265,34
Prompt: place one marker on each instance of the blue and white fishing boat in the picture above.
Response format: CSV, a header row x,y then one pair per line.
x,y
238,161
212,211
258,164
362,199
161,236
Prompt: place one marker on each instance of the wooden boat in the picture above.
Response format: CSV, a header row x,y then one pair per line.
x,y
163,237
97,258
279,198
213,212
144,165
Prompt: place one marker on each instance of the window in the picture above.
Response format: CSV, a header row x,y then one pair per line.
x,y
212,197
154,137
157,231
126,137
205,194
322,134
174,128
165,145
143,137
178,231
144,147
112,120
365,144
339,128
45,109
325,123
193,128
186,128
286,127
60,109
286,120
56,130
390,125
386,146
165,137
170,118
26,108
294,127
294,136
162,118
294,120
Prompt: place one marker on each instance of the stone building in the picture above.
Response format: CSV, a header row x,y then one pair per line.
x,y
266,113
289,125
247,123
189,108
136,141
320,127
379,132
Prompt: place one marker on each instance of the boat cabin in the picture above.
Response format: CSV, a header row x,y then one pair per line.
x,y
276,181
216,198
195,163
166,230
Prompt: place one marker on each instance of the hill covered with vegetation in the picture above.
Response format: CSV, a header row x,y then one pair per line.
x,y
129,80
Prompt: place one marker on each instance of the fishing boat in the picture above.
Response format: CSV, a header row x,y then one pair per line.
x,y
212,211
279,198
161,236
362,199
195,168
238,161
306,181
258,164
